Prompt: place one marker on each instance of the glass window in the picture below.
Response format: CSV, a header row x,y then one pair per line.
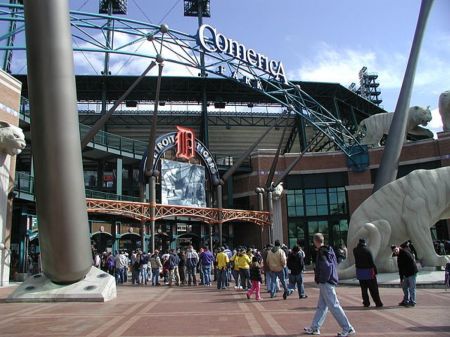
x,y
291,211
290,200
310,199
299,199
322,199
322,210
300,211
311,210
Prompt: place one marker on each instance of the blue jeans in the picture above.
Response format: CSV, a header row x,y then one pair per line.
x,y
143,275
328,301
206,275
297,280
155,276
236,277
273,278
120,275
409,289
221,278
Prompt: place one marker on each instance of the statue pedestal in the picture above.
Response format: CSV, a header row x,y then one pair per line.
x,y
424,279
97,286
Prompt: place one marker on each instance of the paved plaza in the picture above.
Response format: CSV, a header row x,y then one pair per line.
x,y
201,311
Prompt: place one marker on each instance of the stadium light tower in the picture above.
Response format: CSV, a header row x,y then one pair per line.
x,y
109,7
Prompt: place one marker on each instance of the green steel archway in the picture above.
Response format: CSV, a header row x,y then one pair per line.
x,y
90,33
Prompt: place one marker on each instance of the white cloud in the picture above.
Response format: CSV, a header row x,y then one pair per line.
x,y
126,65
342,65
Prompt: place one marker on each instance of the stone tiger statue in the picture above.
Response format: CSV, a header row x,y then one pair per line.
x,y
404,209
12,139
444,109
374,127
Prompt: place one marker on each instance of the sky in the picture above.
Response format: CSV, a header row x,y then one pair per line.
x,y
320,40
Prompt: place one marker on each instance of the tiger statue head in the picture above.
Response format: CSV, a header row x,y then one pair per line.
x,y
419,116
12,139
277,191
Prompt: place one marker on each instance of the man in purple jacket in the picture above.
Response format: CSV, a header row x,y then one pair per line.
x,y
326,277
206,259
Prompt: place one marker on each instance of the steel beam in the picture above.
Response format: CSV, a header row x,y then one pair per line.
x,y
394,143
60,196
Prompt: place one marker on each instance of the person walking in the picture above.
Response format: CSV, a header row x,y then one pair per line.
x,y
325,275
407,270
222,265
276,261
191,265
366,273
256,279
234,265
296,264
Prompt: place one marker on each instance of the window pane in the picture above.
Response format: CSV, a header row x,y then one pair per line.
x,y
290,200
299,199
321,190
310,199
292,229
311,210
322,199
291,211
300,211
333,198
310,191
322,210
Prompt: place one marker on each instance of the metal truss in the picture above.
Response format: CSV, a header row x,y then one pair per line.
x,y
90,32
141,211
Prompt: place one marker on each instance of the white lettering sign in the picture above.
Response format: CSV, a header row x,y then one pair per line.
x,y
221,44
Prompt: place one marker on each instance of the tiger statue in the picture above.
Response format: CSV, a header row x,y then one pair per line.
x,y
444,109
374,127
277,191
404,209
12,139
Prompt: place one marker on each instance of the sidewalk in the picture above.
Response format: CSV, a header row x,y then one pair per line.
x,y
201,311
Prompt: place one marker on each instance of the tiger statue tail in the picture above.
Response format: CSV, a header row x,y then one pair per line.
x,y
377,235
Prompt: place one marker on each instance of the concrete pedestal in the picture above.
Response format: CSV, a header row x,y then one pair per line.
x,y
97,286
424,279
277,221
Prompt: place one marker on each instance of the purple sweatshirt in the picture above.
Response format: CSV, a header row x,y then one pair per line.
x,y
326,266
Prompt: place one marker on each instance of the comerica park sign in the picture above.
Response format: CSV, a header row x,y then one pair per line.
x,y
218,43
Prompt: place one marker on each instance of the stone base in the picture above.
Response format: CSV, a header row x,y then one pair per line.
x,y
424,279
97,286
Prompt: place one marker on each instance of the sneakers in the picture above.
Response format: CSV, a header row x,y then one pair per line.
x,y
303,296
346,333
403,304
285,295
310,331
248,296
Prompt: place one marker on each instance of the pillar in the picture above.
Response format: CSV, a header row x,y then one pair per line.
x,y
119,176
60,195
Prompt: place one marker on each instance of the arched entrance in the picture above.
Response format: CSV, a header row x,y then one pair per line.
x,y
102,242
130,242
184,240
162,242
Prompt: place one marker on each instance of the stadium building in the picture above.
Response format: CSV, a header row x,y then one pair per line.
x,y
206,124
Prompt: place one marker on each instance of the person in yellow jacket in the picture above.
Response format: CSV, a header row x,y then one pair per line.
x,y
234,262
244,262
222,265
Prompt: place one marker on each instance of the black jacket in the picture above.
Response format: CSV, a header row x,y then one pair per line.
x,y
255,273
295,263
363,257
406,264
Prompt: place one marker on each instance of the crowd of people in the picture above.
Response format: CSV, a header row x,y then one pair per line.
x,y
280,268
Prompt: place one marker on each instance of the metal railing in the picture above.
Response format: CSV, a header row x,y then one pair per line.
x,y
24,183
110,142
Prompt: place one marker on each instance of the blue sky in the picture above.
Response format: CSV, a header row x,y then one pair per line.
x,y
322,40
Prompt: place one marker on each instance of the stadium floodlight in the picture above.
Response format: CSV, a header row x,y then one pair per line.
x,y
191,8
118,6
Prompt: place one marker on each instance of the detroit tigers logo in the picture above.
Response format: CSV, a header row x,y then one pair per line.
x,y
185,143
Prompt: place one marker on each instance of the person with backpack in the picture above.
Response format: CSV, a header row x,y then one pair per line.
x,y
191,265
296,265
